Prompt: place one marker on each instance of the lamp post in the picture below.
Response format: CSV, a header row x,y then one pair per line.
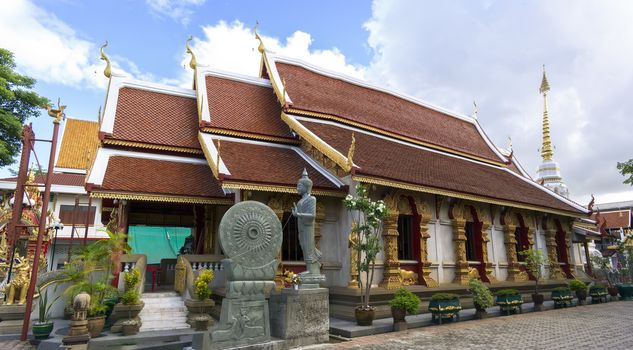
x,y
57,225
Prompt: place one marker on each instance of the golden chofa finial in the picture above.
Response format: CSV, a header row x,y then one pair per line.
x,y
108,69
350,153
475,109
509,143
192,62
57,113
261,47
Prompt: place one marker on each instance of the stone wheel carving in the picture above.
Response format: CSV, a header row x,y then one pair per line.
x,y
250,234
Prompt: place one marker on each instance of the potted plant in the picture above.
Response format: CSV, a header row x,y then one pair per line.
x,y
562,297
509,301
580,288
403,302
602,267
367,216
130,303
535,260
598,293
99,292
444,305
200,308
43,327
482,297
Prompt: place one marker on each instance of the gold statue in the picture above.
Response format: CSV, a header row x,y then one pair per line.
x,y
408,277
58,113
17,288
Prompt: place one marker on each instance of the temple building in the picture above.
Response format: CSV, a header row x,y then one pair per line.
x,y
172,160
77,216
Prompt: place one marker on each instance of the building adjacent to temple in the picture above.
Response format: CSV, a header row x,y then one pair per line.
x,y
172,160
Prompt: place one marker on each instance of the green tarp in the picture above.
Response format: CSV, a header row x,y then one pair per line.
x,y
157,242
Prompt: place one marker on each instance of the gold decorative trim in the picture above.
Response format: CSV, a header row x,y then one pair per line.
x,y
160,198
425,189
280,189
396,136
317,143
150,146
215,168
249,135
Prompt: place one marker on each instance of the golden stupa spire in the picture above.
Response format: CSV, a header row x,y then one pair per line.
x,y
547,152
108,69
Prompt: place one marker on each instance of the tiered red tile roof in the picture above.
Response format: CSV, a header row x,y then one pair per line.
x,y
138,175
391,160
156,118
314,92
244,107
270,165
616,219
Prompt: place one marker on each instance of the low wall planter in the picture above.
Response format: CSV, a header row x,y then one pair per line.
x,y
443,309
598,295
562,298
626,291
510,304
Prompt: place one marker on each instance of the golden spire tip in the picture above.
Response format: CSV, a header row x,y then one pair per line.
x,y
192,63
108,69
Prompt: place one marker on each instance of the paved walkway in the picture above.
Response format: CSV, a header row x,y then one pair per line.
x,y
600,326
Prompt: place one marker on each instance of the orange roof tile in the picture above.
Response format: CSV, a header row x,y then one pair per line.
x,y
616,219
314,92
79,144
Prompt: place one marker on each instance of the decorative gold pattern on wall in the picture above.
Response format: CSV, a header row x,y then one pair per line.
x,y
425,216
322,159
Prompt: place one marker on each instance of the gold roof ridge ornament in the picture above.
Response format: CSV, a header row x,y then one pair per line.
x,y
108,69
261,48
192,63
217,160
350,153
547,152
58,113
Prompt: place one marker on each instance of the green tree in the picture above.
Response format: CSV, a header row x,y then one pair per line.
x,y
17,104
626,169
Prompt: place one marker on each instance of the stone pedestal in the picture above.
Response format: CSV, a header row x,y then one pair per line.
x,y
11,318
301,317
311,281
198,308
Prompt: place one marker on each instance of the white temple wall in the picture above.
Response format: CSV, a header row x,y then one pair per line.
x,y
500,262
334,247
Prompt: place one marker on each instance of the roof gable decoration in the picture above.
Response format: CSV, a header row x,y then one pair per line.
x,y
279,86
344,162
212,154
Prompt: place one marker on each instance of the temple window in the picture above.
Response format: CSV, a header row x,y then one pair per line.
x,y
68,215
519,244
291,249
405,237
471,254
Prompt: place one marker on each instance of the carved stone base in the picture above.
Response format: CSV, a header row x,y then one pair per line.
x,y
302,317
242,322
555,273
11,318
391,279
309,281
461,275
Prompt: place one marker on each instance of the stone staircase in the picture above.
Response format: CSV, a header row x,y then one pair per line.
x,y
163,311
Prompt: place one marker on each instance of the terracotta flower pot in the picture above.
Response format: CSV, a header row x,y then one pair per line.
x,y
364,317
95,326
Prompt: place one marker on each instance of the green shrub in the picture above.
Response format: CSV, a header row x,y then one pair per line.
x,y
561,289
444,296
577,285
481,294
202,284
404,299
132,279
131,297
507,292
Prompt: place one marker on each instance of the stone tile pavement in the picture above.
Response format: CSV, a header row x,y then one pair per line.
x,y
600,326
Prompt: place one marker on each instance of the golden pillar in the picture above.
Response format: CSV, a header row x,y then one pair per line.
x,y
425,216
353,260
555,272
514,272
485,238
459,239
391,275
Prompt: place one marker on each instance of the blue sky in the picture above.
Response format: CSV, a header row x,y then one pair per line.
x,y
446,53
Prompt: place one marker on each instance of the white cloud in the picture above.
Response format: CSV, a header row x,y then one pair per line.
x,y
450,53
178,10
232,47
49,50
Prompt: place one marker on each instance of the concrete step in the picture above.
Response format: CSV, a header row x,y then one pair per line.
x,y
172,319
159,295
163,311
